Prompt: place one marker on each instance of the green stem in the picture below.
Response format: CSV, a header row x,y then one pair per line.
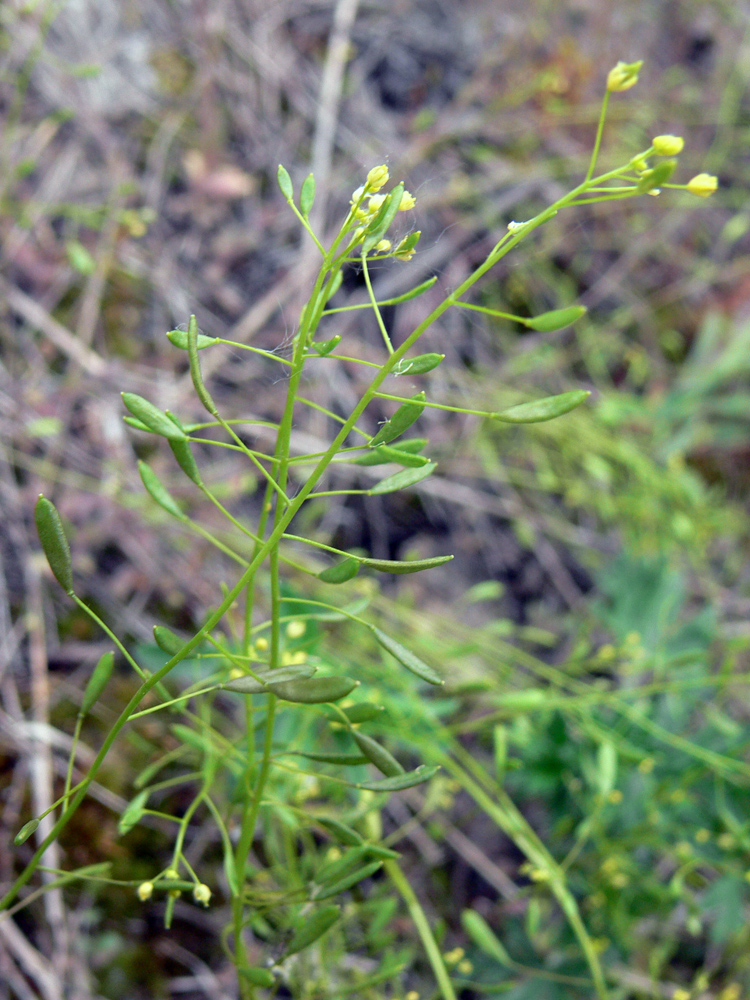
x,y
598,140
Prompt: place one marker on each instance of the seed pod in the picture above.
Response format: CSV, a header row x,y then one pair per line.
x,y
285,182
311,928
401,420
340,572
401,566
557,319
402,480
182,452
419,365
365,711
352,859
258,977
484,937
542,409
156,421
384,761
97,682
341,759
133,813
249,685
345,834
25,832
167,641
307,195
54,543
323,347
314,690
158,492
396,784
180,339
334,888
651,179
406,658
195,368
384,453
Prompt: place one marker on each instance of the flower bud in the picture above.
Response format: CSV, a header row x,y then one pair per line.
x,y
623,76
639,164
668,145
383,246
377,177
202,894
145,891
703,185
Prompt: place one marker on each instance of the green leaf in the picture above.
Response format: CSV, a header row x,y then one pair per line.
x,y
543,409
314,690
484,937
156,421
340,572
557,319
133,813
406,658
418,365
307,195
401,420
384,453
323,347
408,780
311,928
419,289
334,888
180,339
400,566
97,682
285,183
54,543
158,492
402,480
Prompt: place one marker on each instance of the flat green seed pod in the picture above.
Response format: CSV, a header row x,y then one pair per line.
x,y
406,658
402,480
340,572
184,455
334,888
401,420
401,566
54,543
180,339
167,641
484,937
154,418
285,184
258,977
158,491
97,682
557,319
314,690
543,409
396,784
418,365
25,832
251,685
307,195
384,453
383,760
323,347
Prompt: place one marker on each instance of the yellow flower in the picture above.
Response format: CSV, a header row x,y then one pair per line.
x,y
408,201
202,894
145,891
376,200
377,177
383,246
703,185
668,145
623,76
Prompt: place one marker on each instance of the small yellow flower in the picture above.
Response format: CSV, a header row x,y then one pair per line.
x,y
702,836
731,992
145,891
703,185
680,994
202,894
376,200
357,195
465,967
646,766
383,246
412,995
377,177
408,201
295,629
623,76
261,644
668,145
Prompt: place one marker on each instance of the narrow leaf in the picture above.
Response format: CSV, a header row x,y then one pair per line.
x,y
543,409
556,319
408,780
345,834
406,658
402,480
180,339
159,492
484,937
334,888
311,928
152,417
340,572
54,543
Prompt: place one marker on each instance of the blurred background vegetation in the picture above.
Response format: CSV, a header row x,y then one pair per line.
x,y
593,627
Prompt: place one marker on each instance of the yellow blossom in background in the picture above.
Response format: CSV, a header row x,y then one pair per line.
x,y
408,201
668,145
377,177
623,76
703,185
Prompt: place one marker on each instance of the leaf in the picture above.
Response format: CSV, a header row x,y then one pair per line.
x,y
156,421
180,339
402,480
557,319
54,543
340,572
543,409
345,834
307,195
418,365
311,928
314,690
484,937
406,658
285,182
159,492
400,566
408,780
334,888
401,420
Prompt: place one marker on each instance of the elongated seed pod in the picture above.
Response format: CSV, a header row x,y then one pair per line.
x,y
334,888
184,455
25,832
285,182
154,418
195,368
312,928
383,760
97,682
54,543
158,491
401,420
314,690
166,640
340,572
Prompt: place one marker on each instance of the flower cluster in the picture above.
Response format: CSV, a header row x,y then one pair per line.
x,y
366,209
